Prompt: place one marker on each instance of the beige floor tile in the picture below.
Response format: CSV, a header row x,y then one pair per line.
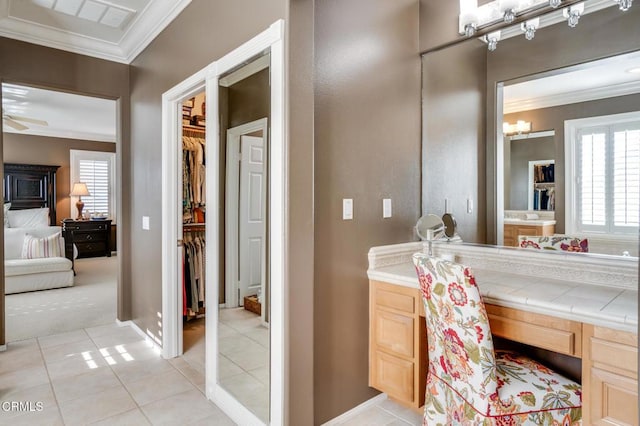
x,y
39,398
406,414
103,330
20,356
129,418
80,349
138,351
226,368
92,408
183,408
250,392
225,331
214,420
235,314
237,343
63,338
247,324
75,365
24,378
371,417
121,337
254,356
43,418
259,334
135,370
86,384
262,374
194,375
158,386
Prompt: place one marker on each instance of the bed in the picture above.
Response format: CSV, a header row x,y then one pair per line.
x,y
34,256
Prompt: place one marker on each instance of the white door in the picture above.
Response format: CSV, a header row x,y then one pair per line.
x,y
252,206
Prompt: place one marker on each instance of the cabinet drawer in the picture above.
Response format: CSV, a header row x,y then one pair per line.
x,y
401,302
393,375
542,331
394,333
79,237
85,249
88,226
617,355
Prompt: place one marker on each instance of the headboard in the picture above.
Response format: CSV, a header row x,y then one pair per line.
x,y
30,186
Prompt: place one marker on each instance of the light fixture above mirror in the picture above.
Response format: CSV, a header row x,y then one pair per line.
x,y
491,17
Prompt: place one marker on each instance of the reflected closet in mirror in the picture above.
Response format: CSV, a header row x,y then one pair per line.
x,y
243,316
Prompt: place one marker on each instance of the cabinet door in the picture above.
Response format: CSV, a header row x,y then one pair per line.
x,y
614,399
393,376
394,333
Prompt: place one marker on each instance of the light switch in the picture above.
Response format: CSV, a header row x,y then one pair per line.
x,y
145,223
469,205
386,208
347,209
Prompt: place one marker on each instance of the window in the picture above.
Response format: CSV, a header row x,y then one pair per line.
x,y
605,175
97,170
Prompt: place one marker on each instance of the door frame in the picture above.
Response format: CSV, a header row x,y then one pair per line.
x,y
231,208
271,39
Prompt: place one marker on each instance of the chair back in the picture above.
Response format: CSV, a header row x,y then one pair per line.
x,y
459,339
554,242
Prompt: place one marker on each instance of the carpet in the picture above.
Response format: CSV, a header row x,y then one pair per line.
x,y
90,302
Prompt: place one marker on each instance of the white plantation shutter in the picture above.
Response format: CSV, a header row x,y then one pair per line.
x,y
626,177
608,178
97,170
95,173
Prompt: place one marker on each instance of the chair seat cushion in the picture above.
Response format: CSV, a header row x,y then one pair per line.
x,y
526,386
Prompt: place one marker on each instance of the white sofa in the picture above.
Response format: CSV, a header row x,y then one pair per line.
x,y
23,275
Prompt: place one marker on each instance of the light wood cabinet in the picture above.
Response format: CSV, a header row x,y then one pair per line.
x,y
609,377
511,232
397,343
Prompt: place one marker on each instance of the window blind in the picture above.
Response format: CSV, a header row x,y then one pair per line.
x,y
95,173
626,177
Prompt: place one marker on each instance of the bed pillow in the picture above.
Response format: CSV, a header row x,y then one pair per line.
x,y
51,246
7,206
29,218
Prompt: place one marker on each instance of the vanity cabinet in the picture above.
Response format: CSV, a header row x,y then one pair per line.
x,y
609,376
511,232
397,343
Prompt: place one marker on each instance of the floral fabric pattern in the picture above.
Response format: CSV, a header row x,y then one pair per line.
x,y
554,242
468,382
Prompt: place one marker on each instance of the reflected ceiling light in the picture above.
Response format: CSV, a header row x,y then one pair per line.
x,y
519,127
624,4
573,14
530,28
635,70
492,40
508,9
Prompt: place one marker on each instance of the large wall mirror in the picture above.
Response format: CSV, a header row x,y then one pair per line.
x,y
555,121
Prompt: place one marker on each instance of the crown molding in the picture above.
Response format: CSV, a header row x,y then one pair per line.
x,y
145,26
610,91
64,134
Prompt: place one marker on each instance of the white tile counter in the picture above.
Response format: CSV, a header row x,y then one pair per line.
x,y
556,287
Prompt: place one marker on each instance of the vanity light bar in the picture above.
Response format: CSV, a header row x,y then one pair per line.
x,y
519,127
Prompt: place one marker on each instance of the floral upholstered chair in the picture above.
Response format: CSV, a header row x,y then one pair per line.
x,y
554,242
469,383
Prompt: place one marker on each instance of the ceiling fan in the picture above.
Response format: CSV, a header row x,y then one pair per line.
x,y
13,121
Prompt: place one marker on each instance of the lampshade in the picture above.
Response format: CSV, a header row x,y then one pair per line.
x,y
79,190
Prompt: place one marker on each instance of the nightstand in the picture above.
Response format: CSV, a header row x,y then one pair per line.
x,y
91,237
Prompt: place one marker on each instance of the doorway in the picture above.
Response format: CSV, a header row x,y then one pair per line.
x,y
75,137
269,42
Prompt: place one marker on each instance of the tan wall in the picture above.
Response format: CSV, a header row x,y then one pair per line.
x,y
50,68
367,147
29,149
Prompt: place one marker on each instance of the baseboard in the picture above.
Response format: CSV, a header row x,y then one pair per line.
x,y
138,330
356,410
3,348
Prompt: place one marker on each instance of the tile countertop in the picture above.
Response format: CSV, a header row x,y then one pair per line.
x,y
533,222
598,305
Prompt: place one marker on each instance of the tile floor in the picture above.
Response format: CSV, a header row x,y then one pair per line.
x,y
102,375
108,375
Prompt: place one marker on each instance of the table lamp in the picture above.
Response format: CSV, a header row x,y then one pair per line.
x,y
79,189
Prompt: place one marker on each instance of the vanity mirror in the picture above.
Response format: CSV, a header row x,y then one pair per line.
x,y
576,89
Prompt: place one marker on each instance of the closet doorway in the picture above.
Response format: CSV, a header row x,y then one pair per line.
x,y
54,140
